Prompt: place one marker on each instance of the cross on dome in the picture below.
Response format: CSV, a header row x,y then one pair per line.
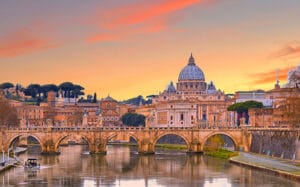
x,y
191,60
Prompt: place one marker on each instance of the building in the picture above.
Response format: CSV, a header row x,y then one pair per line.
x,y
193,102
256,95
110,115
282,97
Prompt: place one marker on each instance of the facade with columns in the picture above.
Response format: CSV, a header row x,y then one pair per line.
x,y
193,102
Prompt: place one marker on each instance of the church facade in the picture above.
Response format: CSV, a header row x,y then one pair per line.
x,y
193,102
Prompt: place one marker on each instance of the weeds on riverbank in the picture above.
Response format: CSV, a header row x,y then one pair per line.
x,y
221,153
172,146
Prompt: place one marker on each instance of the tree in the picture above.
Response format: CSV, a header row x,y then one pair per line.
x,y
67,87
243,107
6,85
133,119
77,91
89,98
47,88
8,114
95,98
33,90
214,143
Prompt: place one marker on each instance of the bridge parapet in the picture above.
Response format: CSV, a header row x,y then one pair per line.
x,y
146,137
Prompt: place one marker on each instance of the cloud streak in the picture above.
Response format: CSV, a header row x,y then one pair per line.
x,y
24,41
289,51
271,76
143,18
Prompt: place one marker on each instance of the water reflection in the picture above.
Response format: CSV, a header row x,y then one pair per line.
x,y
122,166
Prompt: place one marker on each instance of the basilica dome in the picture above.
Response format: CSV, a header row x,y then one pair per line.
x,y
191,71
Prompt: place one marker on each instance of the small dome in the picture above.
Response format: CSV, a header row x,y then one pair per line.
x,y
211,88
171,88
191,71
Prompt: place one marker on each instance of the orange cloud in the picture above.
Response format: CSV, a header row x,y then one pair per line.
x,y
23,41
143,18
271,76
289,51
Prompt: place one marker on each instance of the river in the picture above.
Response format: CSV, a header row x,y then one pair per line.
x,y
122,166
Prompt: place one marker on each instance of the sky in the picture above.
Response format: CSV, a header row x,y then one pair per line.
x,y
126,48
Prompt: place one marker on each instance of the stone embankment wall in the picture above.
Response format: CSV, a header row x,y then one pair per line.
x,y
284,144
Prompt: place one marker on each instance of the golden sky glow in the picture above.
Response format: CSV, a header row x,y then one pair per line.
x,y
136,47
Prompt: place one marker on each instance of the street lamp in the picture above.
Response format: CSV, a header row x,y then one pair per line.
x,y
2,154
8,154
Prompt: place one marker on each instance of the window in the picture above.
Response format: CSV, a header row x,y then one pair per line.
x,y
181,117
171,118
192,117
204,117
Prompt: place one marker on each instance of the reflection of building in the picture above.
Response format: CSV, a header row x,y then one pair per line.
x,y
192,102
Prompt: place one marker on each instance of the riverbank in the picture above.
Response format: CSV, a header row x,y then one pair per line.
x,y
277,166
221,153
163,146
12,161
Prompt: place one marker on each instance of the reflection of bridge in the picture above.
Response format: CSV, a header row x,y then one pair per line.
x,y
97,138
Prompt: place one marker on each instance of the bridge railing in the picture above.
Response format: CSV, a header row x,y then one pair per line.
x,y
123,128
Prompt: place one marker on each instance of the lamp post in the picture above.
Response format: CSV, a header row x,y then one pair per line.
x,y
2,155
8,154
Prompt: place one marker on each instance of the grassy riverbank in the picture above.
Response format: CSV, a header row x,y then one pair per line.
x,y
221,153
172,146
162,146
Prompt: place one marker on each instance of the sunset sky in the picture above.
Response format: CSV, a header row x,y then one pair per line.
x,y
126,48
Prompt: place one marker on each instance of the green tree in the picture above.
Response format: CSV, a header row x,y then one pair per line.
x,y
8,114
6,85
47,88
214,143
95,98
243,107
67,87
33,90
77,91
133,119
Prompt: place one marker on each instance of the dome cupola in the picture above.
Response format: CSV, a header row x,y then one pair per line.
x,y
191,71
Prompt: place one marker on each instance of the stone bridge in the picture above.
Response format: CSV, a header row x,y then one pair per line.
x,y
146,138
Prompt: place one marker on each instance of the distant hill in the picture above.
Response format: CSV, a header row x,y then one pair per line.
x,y
137,101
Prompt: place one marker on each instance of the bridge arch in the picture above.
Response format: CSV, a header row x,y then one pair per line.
x,y
109,137
11,140
67,135
172,133
231,137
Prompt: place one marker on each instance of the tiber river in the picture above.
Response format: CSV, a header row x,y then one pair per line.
x,y
122,166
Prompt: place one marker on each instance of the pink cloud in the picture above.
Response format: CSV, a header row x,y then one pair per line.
x,y
289,51
25,41
270,76
143,18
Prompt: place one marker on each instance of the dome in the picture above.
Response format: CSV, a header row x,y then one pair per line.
x,y
211,88
191,71
171,88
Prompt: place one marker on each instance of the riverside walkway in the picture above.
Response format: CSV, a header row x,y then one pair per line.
x,y
281,167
